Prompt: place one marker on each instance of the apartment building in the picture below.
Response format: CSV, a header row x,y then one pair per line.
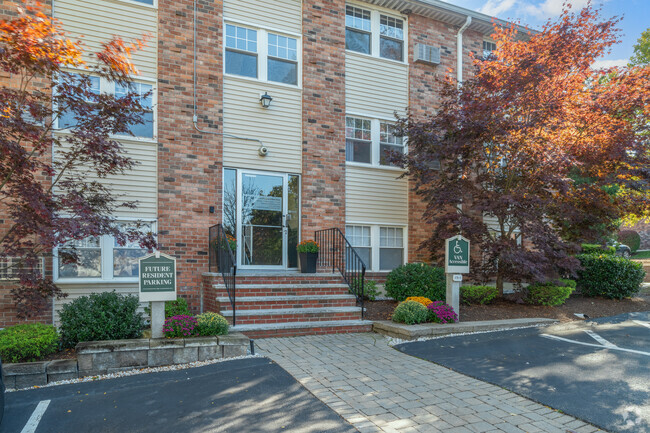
x,y
273,119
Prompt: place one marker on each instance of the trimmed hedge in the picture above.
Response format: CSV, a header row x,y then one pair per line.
x,y
100,316
410,312
549,294
416,279
597,249
609,276
630,238
478,294
28,342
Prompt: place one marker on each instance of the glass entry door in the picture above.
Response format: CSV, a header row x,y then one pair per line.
x,y
268,219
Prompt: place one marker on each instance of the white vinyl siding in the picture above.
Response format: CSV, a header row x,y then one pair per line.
x,y
374,86
97,21
283,15
279,127
375,195
139,184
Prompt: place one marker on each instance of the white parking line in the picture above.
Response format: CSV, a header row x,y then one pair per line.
x,y
33,421
600,339
554,337
639,322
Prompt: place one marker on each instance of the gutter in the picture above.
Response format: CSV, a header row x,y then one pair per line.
x,y
459,51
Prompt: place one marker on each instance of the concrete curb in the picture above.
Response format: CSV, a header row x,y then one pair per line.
x,y
413,332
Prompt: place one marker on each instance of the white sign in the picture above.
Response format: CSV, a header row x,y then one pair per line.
x,y
458,277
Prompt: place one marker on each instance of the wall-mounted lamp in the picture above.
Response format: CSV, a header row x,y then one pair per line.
x,y
265,100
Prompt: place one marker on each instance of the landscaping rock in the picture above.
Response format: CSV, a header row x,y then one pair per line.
x,y
186,355
234,339
112,345
104,361
132,358
209,352
160,343
62,366
85,361
21,368
233,351
201,341
159,357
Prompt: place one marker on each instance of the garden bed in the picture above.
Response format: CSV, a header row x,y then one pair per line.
x,y
509,309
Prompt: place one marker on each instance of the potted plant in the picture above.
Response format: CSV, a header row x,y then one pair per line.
x,y
308,252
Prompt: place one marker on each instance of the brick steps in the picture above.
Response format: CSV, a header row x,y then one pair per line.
x,y
303,328
283,289
290,301
287,315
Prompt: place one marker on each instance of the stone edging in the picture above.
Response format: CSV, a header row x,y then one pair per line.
x,y
413,332
102,357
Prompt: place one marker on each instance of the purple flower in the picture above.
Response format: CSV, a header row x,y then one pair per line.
x,y
442,313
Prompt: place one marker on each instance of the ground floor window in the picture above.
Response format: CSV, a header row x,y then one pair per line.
x,y
380,247
101,258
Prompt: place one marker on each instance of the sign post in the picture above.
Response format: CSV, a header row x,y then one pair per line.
x,y
157,285
456,264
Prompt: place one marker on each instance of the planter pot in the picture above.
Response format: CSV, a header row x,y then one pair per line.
x,y
308,263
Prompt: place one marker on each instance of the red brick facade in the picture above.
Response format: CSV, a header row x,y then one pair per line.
x,y
189,162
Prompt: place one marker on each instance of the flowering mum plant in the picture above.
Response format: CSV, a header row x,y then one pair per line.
x,y
308,247
179,326
440,312
421,299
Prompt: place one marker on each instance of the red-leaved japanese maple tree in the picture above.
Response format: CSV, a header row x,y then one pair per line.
x,y
536,145
45,200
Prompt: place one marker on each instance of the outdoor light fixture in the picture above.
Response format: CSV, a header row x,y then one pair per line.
x,y
265,100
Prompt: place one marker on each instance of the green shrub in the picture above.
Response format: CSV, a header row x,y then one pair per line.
x,y
609,276
416,279
597,249
178,307
28,342
630,238
370,290
550,294
100,316
208,324
478,294
410,312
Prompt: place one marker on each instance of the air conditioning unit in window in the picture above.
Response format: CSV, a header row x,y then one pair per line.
x,y
427,54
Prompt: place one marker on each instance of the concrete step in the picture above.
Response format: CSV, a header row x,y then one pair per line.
x,y
293,329
283,289
275,302
287,315
277,277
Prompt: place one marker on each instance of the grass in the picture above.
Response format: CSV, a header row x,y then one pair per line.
x,y
641,255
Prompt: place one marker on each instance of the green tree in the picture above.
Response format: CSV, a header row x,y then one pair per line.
x,y
641,50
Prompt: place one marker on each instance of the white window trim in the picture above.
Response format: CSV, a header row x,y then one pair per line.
x,y
137,3
375,241
262,53
375,145
375,13
106,245
109,88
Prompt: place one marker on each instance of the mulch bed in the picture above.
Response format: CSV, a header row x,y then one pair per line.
x,y
62,354
510,309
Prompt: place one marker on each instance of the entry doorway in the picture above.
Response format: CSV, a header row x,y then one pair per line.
x,y
261,216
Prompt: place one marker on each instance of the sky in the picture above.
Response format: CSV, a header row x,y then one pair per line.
x,y
534,13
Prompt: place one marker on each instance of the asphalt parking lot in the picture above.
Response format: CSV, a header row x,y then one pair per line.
x,y
596,370
248,395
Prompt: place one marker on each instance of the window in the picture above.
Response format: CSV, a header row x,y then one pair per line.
x,y
144,90
278,55
68,120
101,258
359,238
391,40
488,47
358,142
241,51
89,253
389,142
370,32
370,141
391,247
147,2
357,30
380,247
283,59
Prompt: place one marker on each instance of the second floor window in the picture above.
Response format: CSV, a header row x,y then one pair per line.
x,y
144,90
261,54
358,140
374,33
488,47
371,141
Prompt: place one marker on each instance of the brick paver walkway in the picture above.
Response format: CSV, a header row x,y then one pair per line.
x,y
378,389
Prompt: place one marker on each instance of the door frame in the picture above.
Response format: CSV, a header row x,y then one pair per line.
x,y
240,172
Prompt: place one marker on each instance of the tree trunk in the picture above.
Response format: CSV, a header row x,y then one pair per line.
x,y
500,283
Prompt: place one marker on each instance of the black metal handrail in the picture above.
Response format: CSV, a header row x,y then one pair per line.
x,y
222,259
337,253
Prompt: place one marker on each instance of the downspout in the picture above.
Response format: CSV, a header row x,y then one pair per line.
x,y
195,117
459,51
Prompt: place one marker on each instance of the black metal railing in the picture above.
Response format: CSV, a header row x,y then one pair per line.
x,y
337,253
222,259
